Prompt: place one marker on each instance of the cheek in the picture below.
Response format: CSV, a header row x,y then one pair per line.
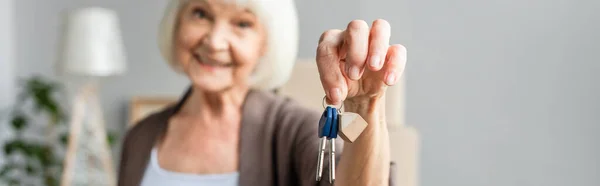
x,y
247,55
185,42
249,50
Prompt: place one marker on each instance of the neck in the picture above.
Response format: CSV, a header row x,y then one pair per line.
x,y
215,104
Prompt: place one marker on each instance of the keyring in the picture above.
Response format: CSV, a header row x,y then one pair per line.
x,y
338,109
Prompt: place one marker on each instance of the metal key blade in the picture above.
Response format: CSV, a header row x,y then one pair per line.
x,y
322,145
332,161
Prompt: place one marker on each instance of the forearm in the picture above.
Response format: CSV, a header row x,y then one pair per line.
x,y
366,161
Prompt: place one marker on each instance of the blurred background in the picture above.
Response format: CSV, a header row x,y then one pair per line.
x,y
501,92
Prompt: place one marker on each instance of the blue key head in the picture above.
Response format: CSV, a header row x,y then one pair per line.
x,y
335,124
325,122
322,122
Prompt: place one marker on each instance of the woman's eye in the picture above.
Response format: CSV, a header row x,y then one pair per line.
x,y
199,13
244,24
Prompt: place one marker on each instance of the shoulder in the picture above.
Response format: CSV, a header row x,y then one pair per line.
x,y
147,127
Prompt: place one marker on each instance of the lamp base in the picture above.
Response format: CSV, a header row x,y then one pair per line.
x,y
88,160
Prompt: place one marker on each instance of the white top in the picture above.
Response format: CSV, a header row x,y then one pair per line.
x,y
156,176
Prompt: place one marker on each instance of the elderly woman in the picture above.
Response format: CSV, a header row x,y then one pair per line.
x,y
230,129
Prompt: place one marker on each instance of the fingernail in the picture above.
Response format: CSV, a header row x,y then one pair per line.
x,y
335,94
391,78
354,73
374,61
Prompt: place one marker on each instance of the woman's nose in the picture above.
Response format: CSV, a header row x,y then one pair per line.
x,y
217,38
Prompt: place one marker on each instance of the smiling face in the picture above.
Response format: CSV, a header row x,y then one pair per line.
x,y
218,43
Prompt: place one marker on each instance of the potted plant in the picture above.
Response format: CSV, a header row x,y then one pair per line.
x,y
33,155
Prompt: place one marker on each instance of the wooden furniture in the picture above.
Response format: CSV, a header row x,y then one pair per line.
x,y
142,106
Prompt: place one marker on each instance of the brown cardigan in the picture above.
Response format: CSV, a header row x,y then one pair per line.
x,y
278,143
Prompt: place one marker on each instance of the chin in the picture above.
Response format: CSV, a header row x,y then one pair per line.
x,y
211,78
212,84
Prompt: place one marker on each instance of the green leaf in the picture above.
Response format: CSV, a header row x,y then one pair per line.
x,y
48,159
19,122
64,139
8,149
30,170
41,91
12,146
50,181
25,147
43,154
111,138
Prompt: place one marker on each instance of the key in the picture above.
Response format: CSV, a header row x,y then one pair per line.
x,y
351,126
323,133
332,136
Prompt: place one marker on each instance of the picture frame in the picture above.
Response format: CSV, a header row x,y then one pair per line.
x,y
142,106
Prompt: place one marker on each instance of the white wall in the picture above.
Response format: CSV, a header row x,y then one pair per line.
x,y
6,52
506,92
6,64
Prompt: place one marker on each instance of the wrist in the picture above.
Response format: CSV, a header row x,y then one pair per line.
x,y
368,157
372,109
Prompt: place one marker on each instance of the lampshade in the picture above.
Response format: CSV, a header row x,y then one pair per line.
x,y
92,43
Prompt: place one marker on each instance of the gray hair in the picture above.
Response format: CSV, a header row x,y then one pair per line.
x,y
281,22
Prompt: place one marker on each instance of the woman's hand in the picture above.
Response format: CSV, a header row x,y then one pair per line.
x,y
357,64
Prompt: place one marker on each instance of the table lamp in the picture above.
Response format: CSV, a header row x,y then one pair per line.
x,y
92,49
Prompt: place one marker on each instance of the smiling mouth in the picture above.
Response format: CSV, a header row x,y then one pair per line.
x,y
208,62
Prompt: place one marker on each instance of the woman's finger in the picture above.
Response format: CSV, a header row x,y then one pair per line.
x,y
357,41
328,62
379,41
394,64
